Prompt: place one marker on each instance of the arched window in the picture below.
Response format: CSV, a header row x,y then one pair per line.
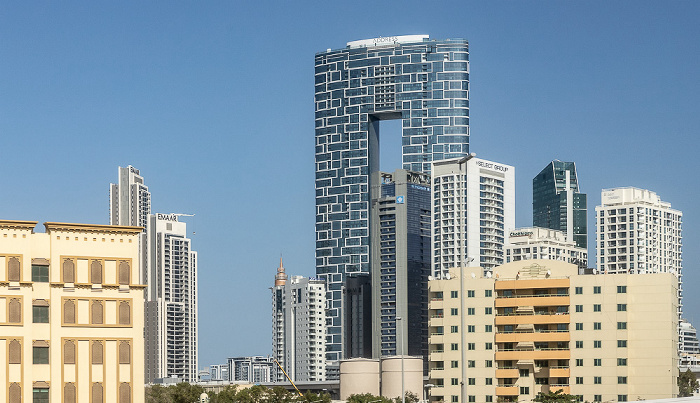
x,y
97,393
14,272
96,272
124,352
124,273
15,307
124,313
97,313
15,393
69,312
97,352
69,393
125,393
69,352
68,271
15,353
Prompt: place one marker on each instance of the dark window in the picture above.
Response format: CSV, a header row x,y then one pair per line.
x,y
40,355
40,314
40,274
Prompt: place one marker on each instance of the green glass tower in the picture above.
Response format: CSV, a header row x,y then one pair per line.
x,y
558,204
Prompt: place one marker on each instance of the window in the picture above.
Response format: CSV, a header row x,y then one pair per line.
x,y
68,271
124,273
454,364
40,395
579,362
455,381
471,294
40,355
489,346
15,311
471,346
579,290
489,399
488,328
579,344
597,380
621,325
69,352
524,390
579,380
596,289
541,381
621,289
621,398
622,343
15,352
524,372
454,346
454,329
488,293
596,308
471,381
96,272
471,329
471,398
596,343
622,380
470,311
40,314
622,362
471,364
455,398
597,325
40,274
597,398
14,269
579,308
489,381
488,310
597,362
454,311
454,294
488,363
621,307
579,326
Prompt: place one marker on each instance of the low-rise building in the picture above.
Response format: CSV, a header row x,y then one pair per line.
x,y
544,243
71,313
538,326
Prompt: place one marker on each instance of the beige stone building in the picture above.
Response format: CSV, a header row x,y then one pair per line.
x,y
71,313
537,326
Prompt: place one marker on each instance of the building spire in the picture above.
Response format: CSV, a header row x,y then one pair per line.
x,y
280,277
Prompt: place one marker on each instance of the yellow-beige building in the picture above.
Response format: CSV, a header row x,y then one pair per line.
x,y
537,326
71,313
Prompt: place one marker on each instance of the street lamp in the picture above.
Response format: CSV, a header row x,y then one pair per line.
x,y
426,390
403,386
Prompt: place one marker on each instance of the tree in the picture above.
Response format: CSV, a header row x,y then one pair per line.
x,y
367,398
555,397
410,398
687,384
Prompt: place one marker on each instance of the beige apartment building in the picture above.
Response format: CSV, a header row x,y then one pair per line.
x,y
71,313
538,326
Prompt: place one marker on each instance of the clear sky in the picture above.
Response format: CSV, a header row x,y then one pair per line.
x,y
213,102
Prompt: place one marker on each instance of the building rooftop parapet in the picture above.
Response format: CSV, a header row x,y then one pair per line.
x,y
97,228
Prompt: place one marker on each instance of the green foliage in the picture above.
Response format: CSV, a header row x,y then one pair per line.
x,y
555,397
687,384
186,393
367,398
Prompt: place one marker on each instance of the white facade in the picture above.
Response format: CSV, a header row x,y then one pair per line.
x,y
171,301
544,243
299,328
256,369
473,209
688,338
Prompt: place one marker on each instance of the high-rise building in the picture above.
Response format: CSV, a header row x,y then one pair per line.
x,y
400,234
298,327
544,243
171,301
357,316
558,204
688,338
422,81
71,313
130,204
538,326
256,369
473,210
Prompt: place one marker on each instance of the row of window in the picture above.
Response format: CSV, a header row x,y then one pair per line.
x,y
40,273
621,289
599,326
598,344
40,352
525,390
598,308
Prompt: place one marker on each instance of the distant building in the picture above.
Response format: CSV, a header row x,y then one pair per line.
x,y
544,243
473,210
299,327
558,204
357,315
71,313
171,301
538,326
256,369
219,372
688,338
400,245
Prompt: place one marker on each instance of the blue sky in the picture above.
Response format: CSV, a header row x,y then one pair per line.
x,y
213,102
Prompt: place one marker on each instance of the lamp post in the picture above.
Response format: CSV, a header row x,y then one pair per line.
x,y
399,335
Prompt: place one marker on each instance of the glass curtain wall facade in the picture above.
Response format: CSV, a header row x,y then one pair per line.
x,y
556,202
425,83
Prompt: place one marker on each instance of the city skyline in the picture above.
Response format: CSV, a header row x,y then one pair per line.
x,y
617,81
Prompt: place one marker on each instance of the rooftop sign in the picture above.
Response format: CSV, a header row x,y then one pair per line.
x,y
387,40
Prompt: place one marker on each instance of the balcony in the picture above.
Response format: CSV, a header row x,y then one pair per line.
x,y
532,336
512,284
507,390
542,354
533,300
507,373
514,319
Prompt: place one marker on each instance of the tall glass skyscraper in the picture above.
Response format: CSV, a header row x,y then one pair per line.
x,y
422,81
557,203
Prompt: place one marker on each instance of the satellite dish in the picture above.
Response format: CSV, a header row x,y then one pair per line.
x,y
595,271
431,278
473,275
488,274
447,276
549,272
